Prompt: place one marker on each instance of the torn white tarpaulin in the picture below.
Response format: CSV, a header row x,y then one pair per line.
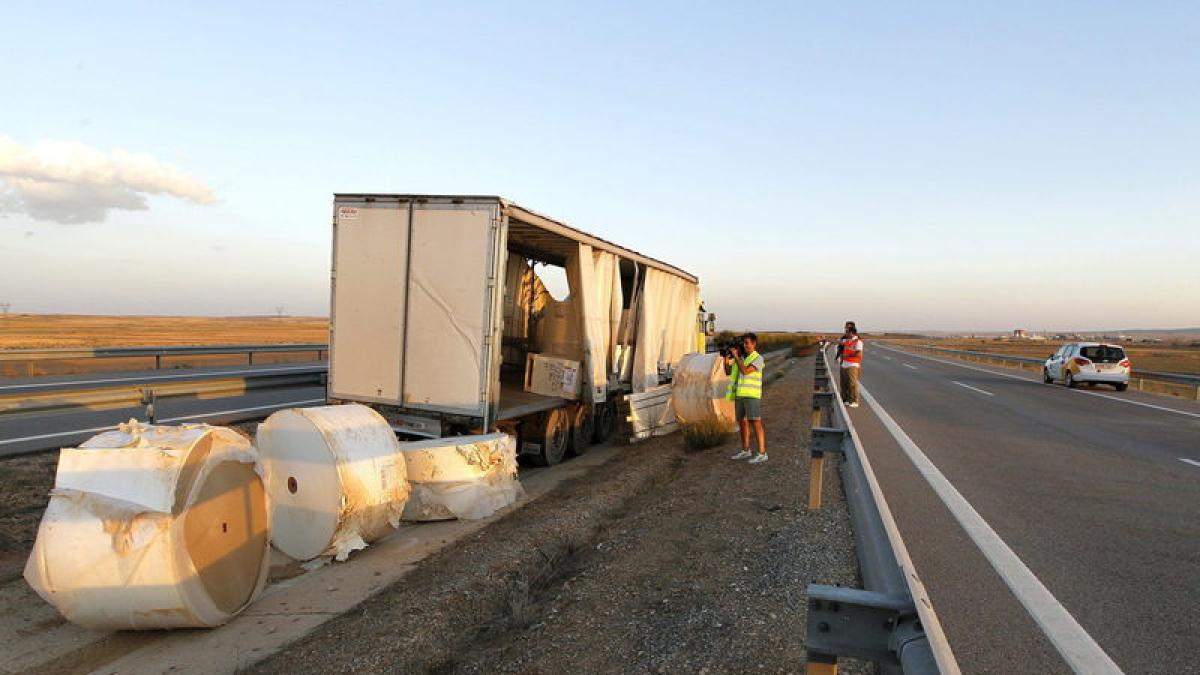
x,y
667,327
465,477
153,527
596,288
335,478
698,391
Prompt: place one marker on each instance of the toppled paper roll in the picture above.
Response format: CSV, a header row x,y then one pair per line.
x,y
465,477
335,478
153,527
698,391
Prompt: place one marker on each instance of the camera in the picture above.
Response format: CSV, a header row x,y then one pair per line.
x,y
727,349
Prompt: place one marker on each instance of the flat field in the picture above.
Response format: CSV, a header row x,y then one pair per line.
x,y
1161,357
52,331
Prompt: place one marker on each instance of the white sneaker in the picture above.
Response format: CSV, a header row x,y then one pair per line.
x,y
852,405
758,459
742,455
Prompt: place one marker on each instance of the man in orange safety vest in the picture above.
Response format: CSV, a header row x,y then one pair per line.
x,y
849,353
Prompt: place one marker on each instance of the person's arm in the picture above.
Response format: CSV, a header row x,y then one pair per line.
x,y
742,367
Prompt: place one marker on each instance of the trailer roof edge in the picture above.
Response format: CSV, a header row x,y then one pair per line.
x,y
536,219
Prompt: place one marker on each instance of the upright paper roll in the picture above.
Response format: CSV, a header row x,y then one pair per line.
x,y
698,391
153,527
465,477
335,478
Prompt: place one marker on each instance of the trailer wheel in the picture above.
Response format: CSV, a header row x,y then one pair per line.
x,y
555,437
606,421
583,428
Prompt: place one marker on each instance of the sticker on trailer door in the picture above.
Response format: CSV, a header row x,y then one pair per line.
x,y
347,213
568,379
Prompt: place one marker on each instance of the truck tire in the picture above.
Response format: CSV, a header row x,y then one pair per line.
x,y
583,428
606,422
555,436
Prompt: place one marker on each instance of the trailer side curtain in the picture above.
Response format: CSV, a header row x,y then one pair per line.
x,y
666,326
595,287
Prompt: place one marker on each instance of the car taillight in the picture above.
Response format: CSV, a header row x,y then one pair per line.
x,y
1124,363
1080,361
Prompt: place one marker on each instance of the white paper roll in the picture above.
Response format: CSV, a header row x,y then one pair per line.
x,y
465,477
153,527
698,391
335,479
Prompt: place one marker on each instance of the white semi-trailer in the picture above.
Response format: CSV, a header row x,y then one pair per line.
x,y
440,321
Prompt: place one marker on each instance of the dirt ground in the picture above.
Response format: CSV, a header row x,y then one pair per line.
x,y
26,485
663,560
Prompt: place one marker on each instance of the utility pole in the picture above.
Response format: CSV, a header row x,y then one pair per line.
x,y
279,311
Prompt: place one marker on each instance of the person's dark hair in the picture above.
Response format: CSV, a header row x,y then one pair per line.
x,y
752,337
851,327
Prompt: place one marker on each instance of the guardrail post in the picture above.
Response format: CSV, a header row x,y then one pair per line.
x,y
820,383
148,399
822,405
821,664
824,439
249,358
855,623
158,361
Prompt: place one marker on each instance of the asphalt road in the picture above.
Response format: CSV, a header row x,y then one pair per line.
x,y
1055,529
40,431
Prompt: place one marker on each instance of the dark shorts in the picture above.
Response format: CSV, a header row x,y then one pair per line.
x,y
748,408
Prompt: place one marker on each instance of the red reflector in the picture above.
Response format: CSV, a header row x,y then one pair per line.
x,y
1124,364
1080,361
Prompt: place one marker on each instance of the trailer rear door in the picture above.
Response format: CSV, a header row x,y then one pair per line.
x,y
450,302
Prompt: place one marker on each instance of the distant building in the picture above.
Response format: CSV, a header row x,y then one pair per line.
x,y
1020,334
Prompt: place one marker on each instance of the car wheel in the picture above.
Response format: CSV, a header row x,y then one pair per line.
x,y
1122,386
1046,376
1070,381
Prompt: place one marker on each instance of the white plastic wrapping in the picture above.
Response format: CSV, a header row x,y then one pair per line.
x,y
596,281
698,391
465,477
153,527
335,479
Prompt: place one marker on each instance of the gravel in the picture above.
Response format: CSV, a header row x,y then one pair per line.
x,y
662,560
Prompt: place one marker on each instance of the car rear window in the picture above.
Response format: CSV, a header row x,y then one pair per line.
x,y
1102,353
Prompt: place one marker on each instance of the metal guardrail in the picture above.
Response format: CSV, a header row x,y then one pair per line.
x,y
127,395
891,620
1178,378
158,352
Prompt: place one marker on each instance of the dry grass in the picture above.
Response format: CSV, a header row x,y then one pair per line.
x,y
48,331
704,435
54,331
1161,358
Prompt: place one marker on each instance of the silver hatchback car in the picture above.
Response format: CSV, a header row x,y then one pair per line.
x,y
1092,362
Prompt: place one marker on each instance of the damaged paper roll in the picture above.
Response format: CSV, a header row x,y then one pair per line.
x,y
465,477
698,391
153,527
335,478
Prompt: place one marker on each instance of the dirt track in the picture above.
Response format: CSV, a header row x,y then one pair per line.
x,y
661,561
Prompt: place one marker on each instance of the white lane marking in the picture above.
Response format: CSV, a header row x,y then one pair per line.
x,y
1078,648
985,393
909,365
1039,383
165,419
1189,461
147,378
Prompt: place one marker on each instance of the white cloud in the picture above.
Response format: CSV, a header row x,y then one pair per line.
x,y
68,182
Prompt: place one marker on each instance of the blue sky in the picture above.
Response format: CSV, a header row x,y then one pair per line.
x,y
943,166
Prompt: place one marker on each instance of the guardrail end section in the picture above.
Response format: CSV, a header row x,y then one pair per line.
x,y
855,623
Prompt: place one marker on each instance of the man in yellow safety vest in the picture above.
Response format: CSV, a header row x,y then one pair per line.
x,y
745,390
